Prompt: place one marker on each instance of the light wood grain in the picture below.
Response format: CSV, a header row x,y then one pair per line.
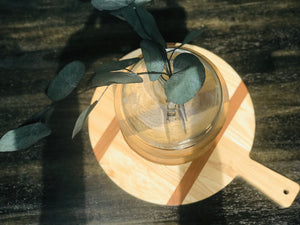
x,y
157,183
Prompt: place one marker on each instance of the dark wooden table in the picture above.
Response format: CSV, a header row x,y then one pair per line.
x,y
58,181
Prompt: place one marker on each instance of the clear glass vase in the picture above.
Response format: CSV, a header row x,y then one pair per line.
x,y
164,132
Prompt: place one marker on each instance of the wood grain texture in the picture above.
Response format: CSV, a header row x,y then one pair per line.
x,y
197,165
139,177
106,139
58,181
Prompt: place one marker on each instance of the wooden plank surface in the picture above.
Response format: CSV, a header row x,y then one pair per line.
x,y
58,181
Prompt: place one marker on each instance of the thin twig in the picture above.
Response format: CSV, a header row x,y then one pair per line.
x,y
173,51
103,93
169,68
130,71
145,73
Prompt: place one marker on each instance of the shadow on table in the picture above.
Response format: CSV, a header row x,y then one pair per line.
x,y
63,167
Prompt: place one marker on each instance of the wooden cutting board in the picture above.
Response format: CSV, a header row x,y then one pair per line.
x,y
196,180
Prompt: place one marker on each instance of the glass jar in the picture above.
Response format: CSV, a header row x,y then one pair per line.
x,y
164,132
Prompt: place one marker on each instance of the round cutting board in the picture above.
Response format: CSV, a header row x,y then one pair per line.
x,y
196,180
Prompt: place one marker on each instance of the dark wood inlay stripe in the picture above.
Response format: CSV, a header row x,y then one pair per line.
x,y
197,165
106,139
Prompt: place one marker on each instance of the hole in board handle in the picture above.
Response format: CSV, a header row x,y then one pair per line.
x,y
286,192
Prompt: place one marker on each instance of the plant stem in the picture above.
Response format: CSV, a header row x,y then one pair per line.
x,y
169,68
145,73
173,51
103,93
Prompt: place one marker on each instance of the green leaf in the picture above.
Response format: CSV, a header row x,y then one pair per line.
x,y
108,78
141,2
192,35
150,26
82,118
42,116
187,80
110,4
115,4
155,57
66,81
130,15
142,22
113,66
23,137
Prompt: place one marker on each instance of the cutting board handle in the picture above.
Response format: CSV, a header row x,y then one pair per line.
x,y
277,187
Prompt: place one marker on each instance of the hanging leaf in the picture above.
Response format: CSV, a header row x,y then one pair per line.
x,y
108,78
192,35
113,66
141,2
155,57
110,4
115,4
23,137
142,22
66,81
42,116
150,26
130,15
188,38
187,80
82,118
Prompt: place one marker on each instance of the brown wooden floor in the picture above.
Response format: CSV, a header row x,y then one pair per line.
x,y
58,181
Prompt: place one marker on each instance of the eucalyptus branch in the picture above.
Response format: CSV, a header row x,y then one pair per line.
x,y
179,89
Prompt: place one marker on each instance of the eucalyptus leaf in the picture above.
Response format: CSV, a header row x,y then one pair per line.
x,y
42,116
192,35
130,15
110,4
142,22
189,37
155,57
82,118
187,80
66,81
23,137
108,78
118,65
150,26
141,2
